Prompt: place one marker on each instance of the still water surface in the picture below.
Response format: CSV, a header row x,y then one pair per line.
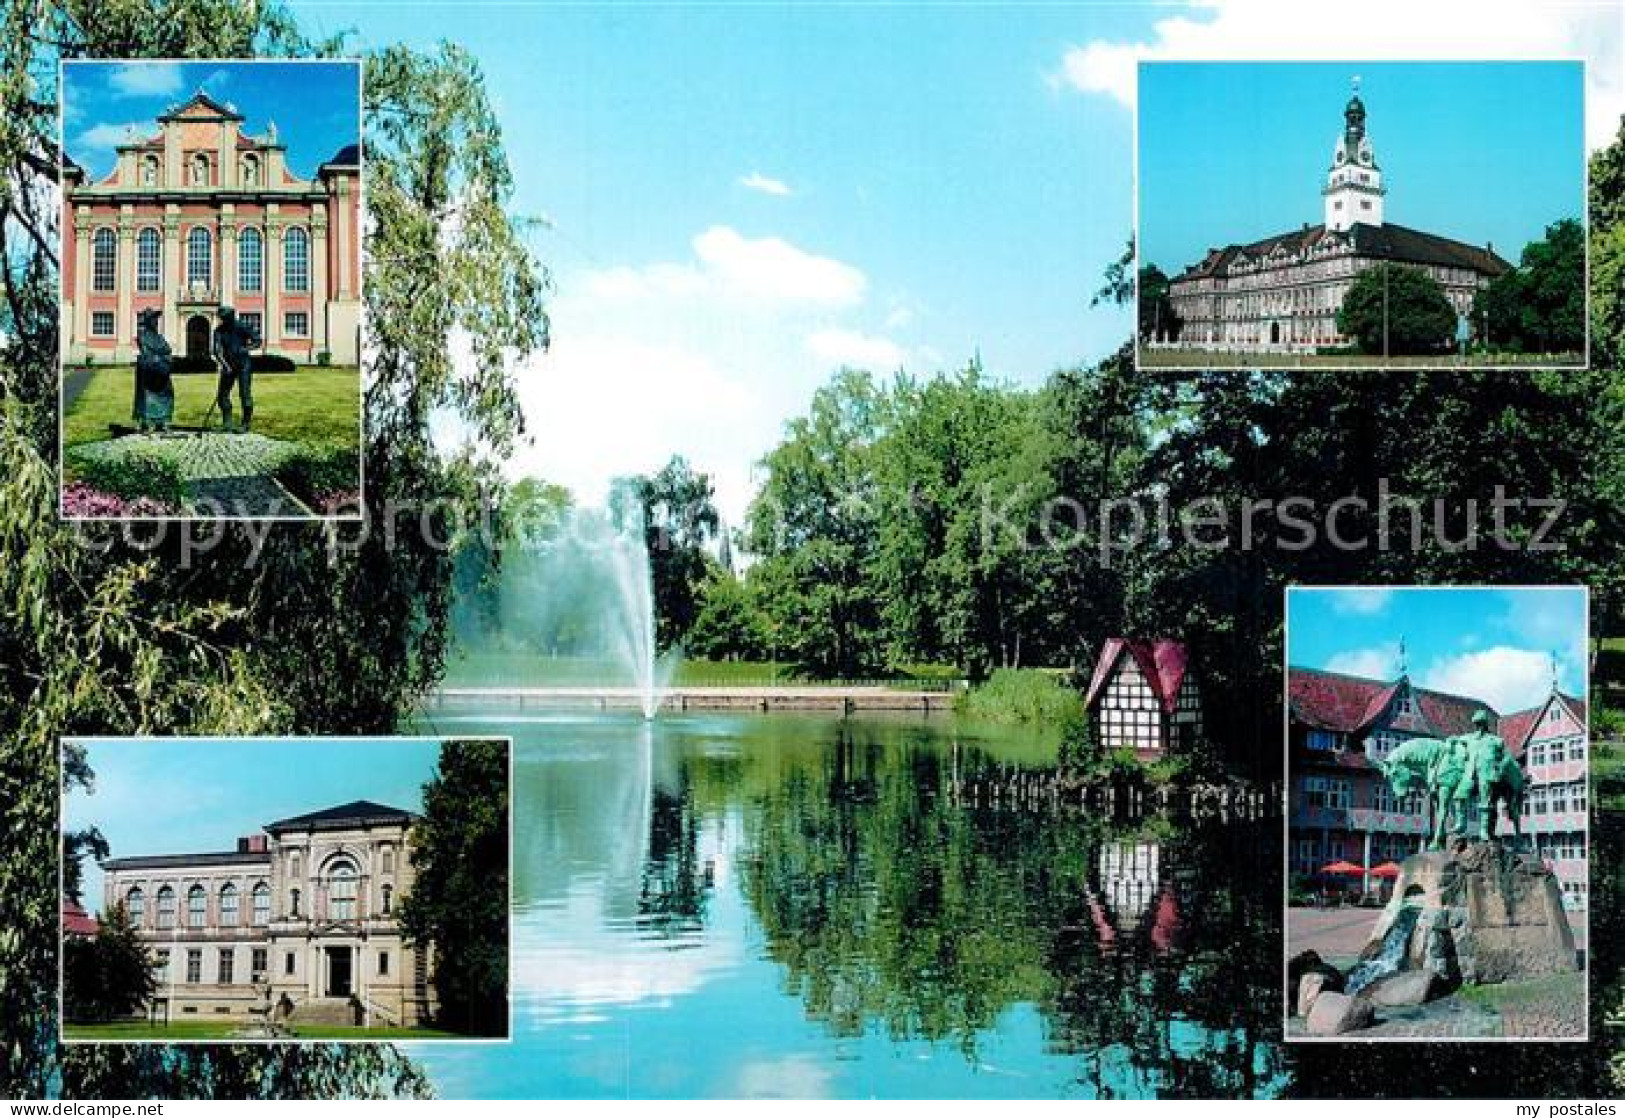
x,y
778,906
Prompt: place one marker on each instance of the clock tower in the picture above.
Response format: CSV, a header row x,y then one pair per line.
x,y
1353,190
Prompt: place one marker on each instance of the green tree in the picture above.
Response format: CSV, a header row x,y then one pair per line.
x,y
458,904
1539,306
731,625
109,975
675,509
1394,309
1158,319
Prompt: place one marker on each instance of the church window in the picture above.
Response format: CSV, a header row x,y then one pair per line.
x,y
104,259
148,260
199,257
250,260
296,261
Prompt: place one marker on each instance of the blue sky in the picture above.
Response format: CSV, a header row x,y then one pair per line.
x,y
1232,152
185,795
740,198
315,105
1493,644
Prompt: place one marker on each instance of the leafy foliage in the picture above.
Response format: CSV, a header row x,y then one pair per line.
x,y
678,518
1393,309
1539,306
458,904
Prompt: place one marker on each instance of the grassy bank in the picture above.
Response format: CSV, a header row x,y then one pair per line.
x,y
1027,697
316,406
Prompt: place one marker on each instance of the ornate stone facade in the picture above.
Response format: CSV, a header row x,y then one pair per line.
x,y
305,911
203,214
1282,294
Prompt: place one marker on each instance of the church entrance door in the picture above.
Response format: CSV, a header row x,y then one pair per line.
x,y
338,972
197,336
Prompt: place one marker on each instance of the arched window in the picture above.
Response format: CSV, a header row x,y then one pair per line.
x,y
296,261
149,171
251,170
148,260
199,257
197,906
200,170
262,905
341,886
166,908
388,893
104,259
250,260
228,905
135,906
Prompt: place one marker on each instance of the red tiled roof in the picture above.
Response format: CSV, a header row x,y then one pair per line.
x,y
1162,662
1347,704
75,920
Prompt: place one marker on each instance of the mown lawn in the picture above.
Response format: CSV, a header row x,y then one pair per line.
x,y
220,1030
316,406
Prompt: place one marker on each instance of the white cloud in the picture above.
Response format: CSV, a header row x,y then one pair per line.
x,y
1443,29
106,137
766,185
855,350
1507,678
728,264
146,79
1380,662
1361,601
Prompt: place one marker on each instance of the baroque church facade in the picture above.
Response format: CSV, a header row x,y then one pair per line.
x,y
300,921
201,214
1281,294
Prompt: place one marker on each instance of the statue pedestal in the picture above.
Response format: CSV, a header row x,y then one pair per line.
x,y
1484,914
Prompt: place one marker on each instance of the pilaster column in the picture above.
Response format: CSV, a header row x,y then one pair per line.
x,y
228,254
348,265
124,280
272,326
81,280
173,281
319,294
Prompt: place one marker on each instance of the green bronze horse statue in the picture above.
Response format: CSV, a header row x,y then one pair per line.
x,y
1454,772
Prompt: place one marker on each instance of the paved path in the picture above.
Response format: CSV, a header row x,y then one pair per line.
x,y
74,383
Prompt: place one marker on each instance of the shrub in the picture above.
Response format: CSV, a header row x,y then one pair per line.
x,y
1024,697
193,365
136,474
319,475
273,363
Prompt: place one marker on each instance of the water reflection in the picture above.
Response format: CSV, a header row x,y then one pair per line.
x,y
774,906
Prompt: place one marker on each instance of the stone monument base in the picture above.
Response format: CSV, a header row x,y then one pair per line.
x,y
1482,914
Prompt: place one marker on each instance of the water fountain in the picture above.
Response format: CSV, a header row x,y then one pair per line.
x,y
1391,958
578,592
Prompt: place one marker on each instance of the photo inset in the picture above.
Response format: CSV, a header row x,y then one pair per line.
x,y
211,289
1437,840
1361,215
285,889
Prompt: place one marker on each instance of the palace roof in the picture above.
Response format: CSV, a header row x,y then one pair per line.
x,y
1162,662
1516,728
357,813
178,861
200,106
1348,704
1379,242
75,920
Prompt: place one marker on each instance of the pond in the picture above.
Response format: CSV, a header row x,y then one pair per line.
x,y
782,906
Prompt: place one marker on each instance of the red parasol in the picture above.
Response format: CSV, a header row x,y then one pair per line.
x,y
1387,869
1343,868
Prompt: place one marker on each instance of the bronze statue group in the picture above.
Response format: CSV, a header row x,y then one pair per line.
x,y
1473,770
233,344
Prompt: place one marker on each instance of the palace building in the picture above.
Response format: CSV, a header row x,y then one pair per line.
x,y
1281,294
1143,696
1342,809
302,916
202,214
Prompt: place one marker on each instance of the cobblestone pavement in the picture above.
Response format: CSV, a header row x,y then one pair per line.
x,y
1336,933
1543,1008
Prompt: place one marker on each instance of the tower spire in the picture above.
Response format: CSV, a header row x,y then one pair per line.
x,y
1404,665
